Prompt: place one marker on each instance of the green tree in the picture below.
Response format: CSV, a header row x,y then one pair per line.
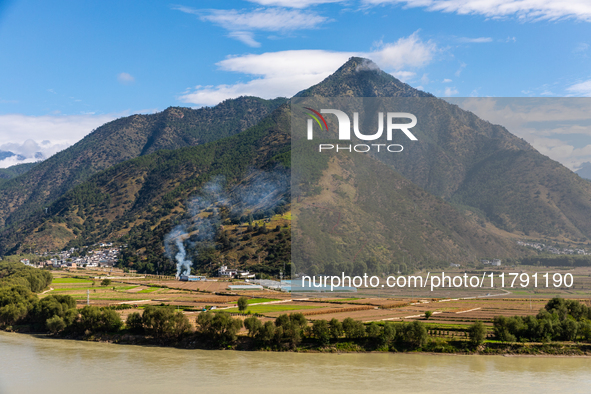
x,y
266,333
569,328
477,333
387,335
90,319
204,323
134,322
106,282
54,305
585,329
158,321
298,319
289,328
253,325
55,324
415,334
180,325
95,319
220,327
321,331
225,327
336,328
428,314
242,304
353,328
110,321
11,313
373,330
501,329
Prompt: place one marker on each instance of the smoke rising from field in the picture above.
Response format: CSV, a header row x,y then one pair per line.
x,y
259,191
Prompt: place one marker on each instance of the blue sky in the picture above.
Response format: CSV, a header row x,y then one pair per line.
x,y
66,67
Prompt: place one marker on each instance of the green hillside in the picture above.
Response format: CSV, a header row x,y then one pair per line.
x,y
121,140
139,201
16,170
363,216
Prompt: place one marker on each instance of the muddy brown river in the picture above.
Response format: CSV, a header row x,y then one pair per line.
x,y
43,365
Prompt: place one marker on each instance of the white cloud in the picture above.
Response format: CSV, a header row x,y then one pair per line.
x,y
581,47
26,135
479,40
29,151
246,37
404,76
271,19
287,72
446,80
294,3
450,92
279,74
125,78
525,10
581,89
459,70
406,52
13,160
241,24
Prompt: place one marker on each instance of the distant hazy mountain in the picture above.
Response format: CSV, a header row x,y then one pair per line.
x,y
5,154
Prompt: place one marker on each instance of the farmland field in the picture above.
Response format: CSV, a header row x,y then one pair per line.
x,y
258,300
452,309
70,280
274,308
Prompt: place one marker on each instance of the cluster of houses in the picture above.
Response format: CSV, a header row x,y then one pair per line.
x,y
551,249
225,272
105,256
493,262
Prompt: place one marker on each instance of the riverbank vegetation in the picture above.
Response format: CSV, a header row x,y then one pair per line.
x,y
16,274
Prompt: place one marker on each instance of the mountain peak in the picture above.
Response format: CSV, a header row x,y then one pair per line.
x,y
361,77
358,64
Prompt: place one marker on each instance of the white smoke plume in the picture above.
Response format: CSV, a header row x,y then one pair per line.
x,y
260,191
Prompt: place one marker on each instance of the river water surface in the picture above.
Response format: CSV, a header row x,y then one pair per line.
x,y
43,365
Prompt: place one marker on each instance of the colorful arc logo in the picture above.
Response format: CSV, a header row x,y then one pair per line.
x,y
316,119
